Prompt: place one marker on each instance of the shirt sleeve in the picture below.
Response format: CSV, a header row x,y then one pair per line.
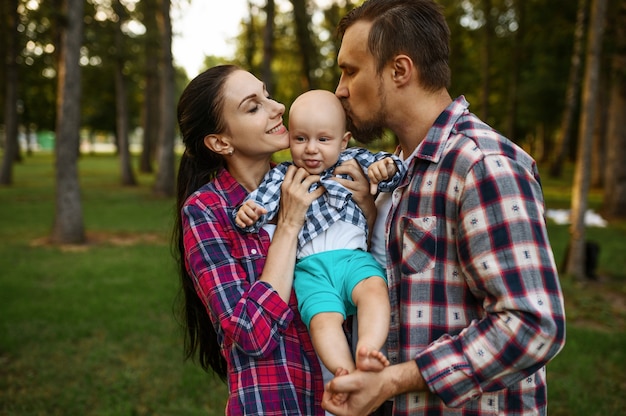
x,y
247,314
365,158
508,263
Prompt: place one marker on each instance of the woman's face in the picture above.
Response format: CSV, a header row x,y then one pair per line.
x,y
254,121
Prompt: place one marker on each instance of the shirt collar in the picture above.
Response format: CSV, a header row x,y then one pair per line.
x,y
434,143
229,187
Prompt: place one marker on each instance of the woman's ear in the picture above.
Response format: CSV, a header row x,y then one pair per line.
x,y
219,144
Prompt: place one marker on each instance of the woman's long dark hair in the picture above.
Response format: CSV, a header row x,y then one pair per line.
x,y
199,114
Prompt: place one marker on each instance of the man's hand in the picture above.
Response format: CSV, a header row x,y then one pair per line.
x,y
355,394
362,392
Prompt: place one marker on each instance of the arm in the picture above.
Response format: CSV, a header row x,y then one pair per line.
x,y
507,263
359,186
248,311
281,257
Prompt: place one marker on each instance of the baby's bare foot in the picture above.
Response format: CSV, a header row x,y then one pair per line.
x,y
370,360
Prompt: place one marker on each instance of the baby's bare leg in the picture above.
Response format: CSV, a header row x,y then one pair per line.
x,y
371,298
330,341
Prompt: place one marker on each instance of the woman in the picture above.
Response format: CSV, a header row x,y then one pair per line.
x,y
240,311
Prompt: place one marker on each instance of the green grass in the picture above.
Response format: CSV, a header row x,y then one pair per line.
x,y
91,330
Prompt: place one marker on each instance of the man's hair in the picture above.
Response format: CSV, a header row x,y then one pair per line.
x,y
416,28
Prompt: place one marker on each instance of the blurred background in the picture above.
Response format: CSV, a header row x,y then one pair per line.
x,y
89,148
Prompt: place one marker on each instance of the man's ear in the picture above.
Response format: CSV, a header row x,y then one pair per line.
x,y
402,69
219,144
345,139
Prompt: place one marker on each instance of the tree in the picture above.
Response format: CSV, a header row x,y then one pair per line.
x,y
308,52
571,97
11,147
68,220
486,63
268,45
615,173
151,108
121,99
165,181
576,251
519,7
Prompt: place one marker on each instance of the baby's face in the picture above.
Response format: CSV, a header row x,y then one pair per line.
x,y
317,133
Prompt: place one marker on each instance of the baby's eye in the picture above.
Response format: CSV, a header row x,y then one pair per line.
x,y
300,139
324,139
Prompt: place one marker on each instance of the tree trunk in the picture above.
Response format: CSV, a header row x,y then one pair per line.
x,y
250,45
576,255
165,181
516,60
11,145
615,183
268,45
121,101
150,107
307,49
571,95
485,91
68,221
598,153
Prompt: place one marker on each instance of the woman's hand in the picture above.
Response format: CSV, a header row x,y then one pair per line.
x,y
360,188
295,196
294,201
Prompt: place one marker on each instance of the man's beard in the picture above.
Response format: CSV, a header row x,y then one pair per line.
x,y
368,131
371,129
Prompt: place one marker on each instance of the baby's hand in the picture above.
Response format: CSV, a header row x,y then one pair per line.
x,y
380,171
248,214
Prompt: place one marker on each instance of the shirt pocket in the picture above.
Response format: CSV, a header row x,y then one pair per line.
x,y
249,251
419,244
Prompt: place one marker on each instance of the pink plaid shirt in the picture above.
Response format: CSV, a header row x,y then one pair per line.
x,y
272,367
475,295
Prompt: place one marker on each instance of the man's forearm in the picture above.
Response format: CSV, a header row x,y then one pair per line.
x,y
404,378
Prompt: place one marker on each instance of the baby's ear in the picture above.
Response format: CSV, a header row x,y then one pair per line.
x,y
345,139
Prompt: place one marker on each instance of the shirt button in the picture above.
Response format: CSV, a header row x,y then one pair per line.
x,y
253,251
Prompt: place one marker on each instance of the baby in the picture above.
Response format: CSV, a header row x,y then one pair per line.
x,y
335,275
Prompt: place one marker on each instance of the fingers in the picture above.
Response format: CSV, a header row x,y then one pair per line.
x,y
248,214
295,196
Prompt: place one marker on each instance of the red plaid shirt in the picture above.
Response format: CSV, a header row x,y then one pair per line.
x,y
272,367
474,291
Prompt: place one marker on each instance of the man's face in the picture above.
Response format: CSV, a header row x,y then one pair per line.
x,y
360,88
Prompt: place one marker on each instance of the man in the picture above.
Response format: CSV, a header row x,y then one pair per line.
x,y
476,305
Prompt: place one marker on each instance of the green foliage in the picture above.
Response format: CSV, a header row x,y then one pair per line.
x,y
543,38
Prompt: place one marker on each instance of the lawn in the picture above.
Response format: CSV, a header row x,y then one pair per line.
x,y
91,330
